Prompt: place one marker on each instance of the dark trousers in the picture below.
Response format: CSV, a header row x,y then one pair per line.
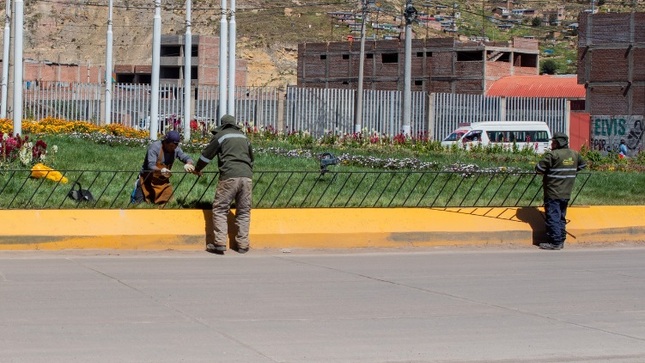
x,y
556,223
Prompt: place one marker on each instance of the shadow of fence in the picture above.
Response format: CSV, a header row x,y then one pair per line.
x,y
288,189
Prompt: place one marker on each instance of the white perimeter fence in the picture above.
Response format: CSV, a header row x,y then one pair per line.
x,y
314,110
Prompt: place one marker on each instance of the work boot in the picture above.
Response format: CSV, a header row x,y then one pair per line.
x,y
550,246
243,250
216,249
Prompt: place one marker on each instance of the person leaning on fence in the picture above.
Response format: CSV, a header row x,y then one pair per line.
x,y
153,184
235,162
559,168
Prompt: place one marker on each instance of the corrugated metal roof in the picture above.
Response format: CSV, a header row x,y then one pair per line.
x,y
565,86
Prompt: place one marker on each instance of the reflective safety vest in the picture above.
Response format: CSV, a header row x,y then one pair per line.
x,y
559,167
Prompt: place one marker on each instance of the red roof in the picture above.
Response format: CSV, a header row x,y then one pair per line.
x,y
565,86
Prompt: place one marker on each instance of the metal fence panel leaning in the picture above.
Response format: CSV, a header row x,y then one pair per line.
x,y
289,189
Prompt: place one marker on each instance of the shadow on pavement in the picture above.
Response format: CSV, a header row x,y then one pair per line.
x,y
535,218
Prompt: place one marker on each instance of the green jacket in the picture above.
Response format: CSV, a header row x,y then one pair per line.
x,y
233,151
559,168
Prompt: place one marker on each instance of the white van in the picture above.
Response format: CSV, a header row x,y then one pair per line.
x,y
535,135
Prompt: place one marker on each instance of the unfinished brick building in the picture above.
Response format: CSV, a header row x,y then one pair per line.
x,y
438,64
205,67
611,65
204,63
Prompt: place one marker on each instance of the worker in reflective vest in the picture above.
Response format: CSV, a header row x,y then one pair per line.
x,y
559,168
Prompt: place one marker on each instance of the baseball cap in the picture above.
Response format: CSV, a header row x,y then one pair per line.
x,y
560,136
172,136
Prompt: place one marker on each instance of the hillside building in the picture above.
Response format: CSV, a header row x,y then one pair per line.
x,y
438,64
204,62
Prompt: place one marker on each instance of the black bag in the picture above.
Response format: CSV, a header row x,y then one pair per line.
x,y
80,194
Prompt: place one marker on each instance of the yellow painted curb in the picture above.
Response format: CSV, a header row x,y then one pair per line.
x,y
311,228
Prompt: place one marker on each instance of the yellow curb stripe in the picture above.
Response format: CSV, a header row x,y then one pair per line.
x,y
311,228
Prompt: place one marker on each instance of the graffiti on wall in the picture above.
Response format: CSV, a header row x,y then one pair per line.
x,y
608,131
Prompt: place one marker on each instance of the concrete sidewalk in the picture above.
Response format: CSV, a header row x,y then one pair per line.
x,y
134,229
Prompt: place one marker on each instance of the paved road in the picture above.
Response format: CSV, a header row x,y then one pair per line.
x,y
581,304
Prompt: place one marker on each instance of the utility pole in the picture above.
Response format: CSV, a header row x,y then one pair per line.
x,y
5,58
17,67
483,20
223,64
188,54
232,34
154,82
358,107
410,15
108,68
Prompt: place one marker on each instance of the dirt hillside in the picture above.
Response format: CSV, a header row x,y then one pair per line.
x,y
269,31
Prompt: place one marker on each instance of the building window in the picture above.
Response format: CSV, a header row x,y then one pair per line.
x,y
525,60
170,51
470,56
124,78
169,72
323,56
419,54
499,57
428,54
418,82
369,55
345,56
390,57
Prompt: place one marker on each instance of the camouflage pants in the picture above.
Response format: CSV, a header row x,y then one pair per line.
x,y
229,190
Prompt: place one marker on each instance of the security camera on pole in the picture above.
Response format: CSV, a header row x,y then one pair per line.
x,y
410,16
358,108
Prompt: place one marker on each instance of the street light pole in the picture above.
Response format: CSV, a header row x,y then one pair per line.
x,y
154,83
108,68
358,109
223,64
232,35
410,15
188,54
5,57
17,67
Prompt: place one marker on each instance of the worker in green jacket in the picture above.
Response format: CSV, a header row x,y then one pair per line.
x,y
235,162
559,168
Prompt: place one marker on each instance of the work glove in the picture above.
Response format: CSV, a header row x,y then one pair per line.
x,y
165,172
189,168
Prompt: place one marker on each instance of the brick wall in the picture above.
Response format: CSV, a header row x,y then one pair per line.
x,y
208,51
608,65
606,48
607,100
66,73
433,63
496,70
